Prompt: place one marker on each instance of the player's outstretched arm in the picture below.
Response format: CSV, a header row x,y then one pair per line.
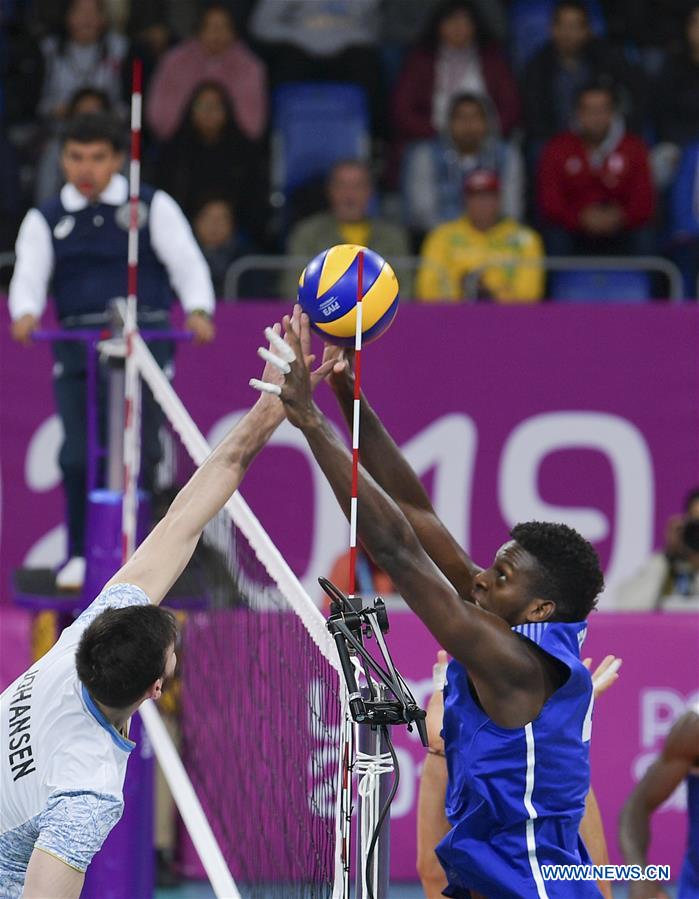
x,y
509,676
384,461
48,877
163,555
679,755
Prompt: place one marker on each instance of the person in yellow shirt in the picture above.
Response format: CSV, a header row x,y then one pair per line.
x,y
476,256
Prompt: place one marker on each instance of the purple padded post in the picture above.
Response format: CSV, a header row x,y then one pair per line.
x,y
103,544
124,867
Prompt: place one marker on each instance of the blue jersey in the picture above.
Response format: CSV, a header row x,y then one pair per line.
x,y
90,252
689,880
516,796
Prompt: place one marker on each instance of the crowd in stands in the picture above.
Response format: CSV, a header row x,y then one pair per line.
x,y
496,131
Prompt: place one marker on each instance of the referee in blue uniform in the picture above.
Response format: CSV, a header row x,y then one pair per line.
x,y
75,246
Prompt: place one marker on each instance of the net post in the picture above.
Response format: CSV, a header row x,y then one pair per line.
x,y
373,763
132,384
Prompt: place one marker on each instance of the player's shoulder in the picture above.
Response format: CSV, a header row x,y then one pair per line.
x,y
113,596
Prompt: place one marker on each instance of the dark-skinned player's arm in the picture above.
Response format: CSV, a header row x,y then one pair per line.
x,y
509,675
679,755
387,465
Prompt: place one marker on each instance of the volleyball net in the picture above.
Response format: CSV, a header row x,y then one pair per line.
x,y
262,779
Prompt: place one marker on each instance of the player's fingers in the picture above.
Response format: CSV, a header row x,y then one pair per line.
x,y
281,364
264,387
442,657
294,344
322,371
587,663
284,349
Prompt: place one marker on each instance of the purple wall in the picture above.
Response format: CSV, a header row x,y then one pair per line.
x,y
583,414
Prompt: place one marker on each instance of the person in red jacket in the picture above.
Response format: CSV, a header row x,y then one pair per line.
x,y
595,189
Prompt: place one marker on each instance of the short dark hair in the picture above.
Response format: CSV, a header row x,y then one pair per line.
x,y
215,7
84,92
601,85
446,8
94,128
578,5
349,162
690,499
468,97
123,652
569,570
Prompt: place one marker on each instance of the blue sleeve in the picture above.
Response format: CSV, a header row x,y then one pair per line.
x,y
74,825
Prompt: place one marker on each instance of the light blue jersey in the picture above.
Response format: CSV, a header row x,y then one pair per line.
x,y
516,796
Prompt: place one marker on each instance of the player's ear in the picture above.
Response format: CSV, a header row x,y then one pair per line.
x,y
540,609
156,690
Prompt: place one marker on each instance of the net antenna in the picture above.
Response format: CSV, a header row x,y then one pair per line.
x,y
384,698
132,383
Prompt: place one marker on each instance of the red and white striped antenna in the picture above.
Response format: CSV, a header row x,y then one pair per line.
x,y
132,384
355,424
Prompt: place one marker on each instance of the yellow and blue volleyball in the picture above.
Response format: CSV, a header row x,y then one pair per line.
x,y
328,294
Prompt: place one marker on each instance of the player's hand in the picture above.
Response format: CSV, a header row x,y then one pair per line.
x,y
201,326
287,373
23,328
647,889
341,376
605,674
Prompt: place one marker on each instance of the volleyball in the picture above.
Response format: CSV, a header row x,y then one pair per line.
x,y
328,289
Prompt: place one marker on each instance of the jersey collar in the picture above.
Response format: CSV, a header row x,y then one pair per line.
x,y
114,194
119,739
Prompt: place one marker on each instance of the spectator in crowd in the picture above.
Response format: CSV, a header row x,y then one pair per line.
x,y
10,195
150,38
684,219
650,27
208,154
669,580
220,240
322,40
677,762
76,244
21,69
349,219
86,54
476,256
49,176
434,170
217,54
451,58
677,93
595,189
572,58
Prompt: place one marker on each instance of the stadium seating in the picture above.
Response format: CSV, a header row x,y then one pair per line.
x,y
595,286
530,26
313,126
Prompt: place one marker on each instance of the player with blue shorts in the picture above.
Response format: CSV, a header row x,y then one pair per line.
x,y
518,706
